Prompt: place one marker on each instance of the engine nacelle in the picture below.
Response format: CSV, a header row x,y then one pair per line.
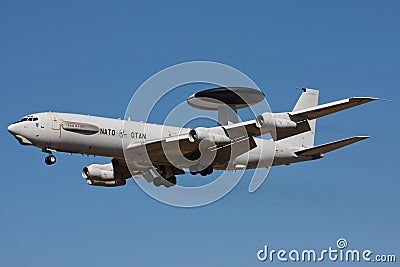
x,y
101,172
278,121
110,175
217,135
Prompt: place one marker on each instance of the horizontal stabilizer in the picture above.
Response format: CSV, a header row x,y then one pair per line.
x,y
329,108
318,150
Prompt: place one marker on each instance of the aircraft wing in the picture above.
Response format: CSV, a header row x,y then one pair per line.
x,y
155,150
302,117
161,151
253,130
329,108
242,128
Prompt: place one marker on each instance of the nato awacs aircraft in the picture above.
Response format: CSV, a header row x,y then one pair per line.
x,y
150,146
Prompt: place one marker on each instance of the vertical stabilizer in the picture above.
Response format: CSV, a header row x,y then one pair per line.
x,y
308,99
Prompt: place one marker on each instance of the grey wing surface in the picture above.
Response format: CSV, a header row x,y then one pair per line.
x,y
158,152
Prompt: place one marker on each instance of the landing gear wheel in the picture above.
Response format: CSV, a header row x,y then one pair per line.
x,y
207,171
171,180
168,182
204,172
50,159
158,181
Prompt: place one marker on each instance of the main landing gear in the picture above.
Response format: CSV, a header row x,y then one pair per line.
x,y
167,182
167,178
207,171
50,159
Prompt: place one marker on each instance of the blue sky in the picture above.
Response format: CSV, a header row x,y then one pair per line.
x,y
89,57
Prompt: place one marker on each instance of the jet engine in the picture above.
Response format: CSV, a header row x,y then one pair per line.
x,y
99,172
217,135
279,121
102,175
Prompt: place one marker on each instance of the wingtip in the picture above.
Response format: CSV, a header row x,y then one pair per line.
x,y
362,137
368,98
381,99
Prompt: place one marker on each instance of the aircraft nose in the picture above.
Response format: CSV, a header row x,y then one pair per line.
x,y
12,129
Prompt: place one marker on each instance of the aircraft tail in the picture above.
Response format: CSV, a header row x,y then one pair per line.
x,y
306,111
308,99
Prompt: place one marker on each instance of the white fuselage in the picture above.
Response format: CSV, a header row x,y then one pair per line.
x,y
66,132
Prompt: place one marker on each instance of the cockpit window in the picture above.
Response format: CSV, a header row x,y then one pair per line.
x,y
28,119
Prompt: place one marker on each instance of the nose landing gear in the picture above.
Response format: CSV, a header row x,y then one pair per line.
x,y
50,159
